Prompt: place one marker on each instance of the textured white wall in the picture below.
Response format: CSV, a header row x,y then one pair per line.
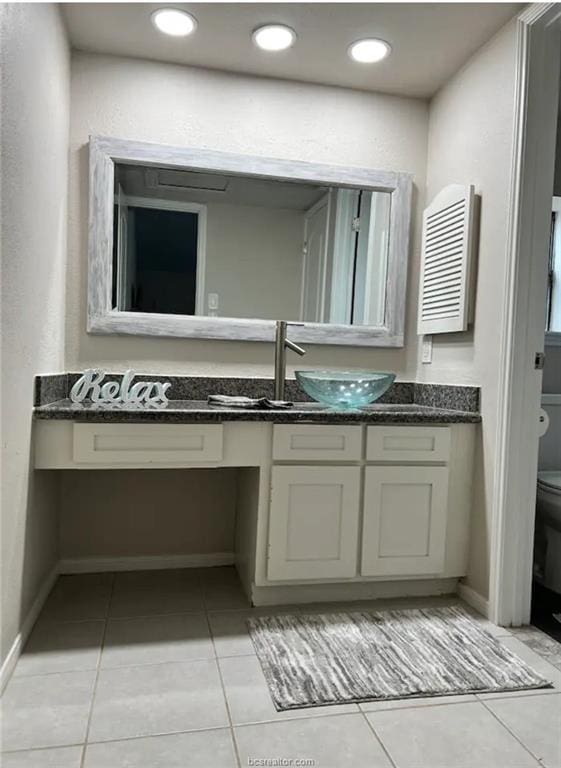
x,y
254,260
143,100
470,142
35,117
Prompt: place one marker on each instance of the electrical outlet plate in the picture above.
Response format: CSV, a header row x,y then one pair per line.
x,y
427,349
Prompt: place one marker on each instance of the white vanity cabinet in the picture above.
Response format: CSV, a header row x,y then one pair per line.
x,y
405,500
323,511
373,502
315,508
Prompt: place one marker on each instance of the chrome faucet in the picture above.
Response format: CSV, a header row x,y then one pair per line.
x,y
281,343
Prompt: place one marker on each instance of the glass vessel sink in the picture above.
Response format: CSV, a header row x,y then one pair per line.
x,y
345,389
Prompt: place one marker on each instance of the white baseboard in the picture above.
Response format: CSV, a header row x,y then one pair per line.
x,y
473,598
10,662
13,655
143,563
370,590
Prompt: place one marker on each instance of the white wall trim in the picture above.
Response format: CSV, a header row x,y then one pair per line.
x,y
523,311
144,563
13,655
10,662
163,204
284,594
473,598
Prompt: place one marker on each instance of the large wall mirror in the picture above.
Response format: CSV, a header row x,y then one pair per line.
x,y
200,244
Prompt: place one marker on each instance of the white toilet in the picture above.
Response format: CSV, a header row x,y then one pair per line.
x,y
548,505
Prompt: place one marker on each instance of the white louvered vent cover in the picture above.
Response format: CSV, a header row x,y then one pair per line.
x,y
447,251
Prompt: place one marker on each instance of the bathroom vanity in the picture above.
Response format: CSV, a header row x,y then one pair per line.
x,y
330,505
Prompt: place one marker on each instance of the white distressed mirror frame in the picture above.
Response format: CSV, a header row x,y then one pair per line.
x,y
103,319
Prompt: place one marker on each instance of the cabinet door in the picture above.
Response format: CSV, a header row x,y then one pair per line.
x,y
313,527
404,520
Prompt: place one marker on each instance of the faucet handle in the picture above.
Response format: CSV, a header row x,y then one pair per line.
x,y
291,344
295,347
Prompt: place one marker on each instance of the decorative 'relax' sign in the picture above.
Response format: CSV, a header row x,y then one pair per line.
x,y
91,386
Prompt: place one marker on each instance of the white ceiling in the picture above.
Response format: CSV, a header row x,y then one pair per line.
x,y
237,190
430,41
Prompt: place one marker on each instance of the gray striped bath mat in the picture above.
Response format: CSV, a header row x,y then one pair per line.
x,y
313,660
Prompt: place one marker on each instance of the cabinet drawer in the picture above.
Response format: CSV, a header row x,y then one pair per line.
x,y
142,444
401,444
292,442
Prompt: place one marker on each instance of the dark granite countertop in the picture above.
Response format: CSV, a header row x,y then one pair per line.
x,y
199,411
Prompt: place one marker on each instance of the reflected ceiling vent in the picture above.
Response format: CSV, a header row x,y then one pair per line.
x,y
163,178
447,268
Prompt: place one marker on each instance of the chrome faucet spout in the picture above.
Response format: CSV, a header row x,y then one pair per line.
x,y
281,344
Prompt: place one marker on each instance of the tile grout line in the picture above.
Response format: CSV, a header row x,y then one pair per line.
x,y
378,738
527,693
98,671
514,736
437,703
156,735
222,686
40,749
315,716
137,664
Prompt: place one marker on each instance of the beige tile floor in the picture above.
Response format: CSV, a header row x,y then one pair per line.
x,y
156,670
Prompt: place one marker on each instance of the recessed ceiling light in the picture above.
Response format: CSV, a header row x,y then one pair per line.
x,y
172,21
274,37
369,51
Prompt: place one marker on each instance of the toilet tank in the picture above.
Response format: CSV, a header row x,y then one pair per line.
x,y
550,443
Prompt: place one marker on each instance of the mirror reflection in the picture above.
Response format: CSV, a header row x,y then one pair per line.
x,y
198,243
553,304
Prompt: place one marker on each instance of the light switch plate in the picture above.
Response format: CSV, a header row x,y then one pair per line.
x,y
427,349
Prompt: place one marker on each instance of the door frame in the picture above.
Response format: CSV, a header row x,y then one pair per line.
x,y
536,102
182,207
323,202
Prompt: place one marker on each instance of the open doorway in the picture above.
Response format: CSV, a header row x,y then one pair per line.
x,y
159,258
546,585
528,300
